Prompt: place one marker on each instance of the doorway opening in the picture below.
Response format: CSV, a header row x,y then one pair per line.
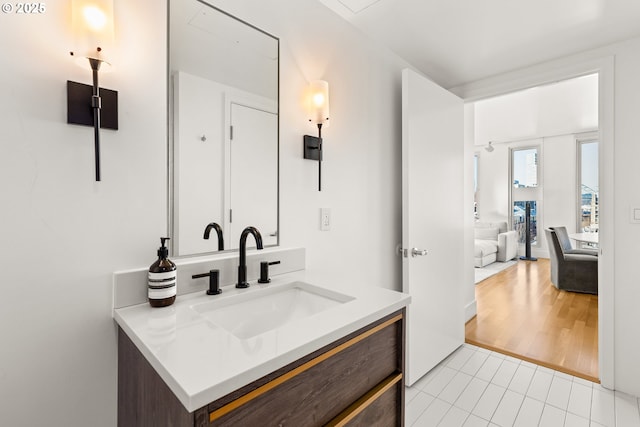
x,y
538,151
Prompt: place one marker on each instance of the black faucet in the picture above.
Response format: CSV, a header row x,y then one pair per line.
x,y
242,268
216,227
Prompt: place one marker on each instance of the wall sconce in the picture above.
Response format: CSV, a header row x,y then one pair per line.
x,y
92,24
318,110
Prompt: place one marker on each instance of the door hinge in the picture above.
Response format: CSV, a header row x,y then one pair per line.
x,y
230,215
231,132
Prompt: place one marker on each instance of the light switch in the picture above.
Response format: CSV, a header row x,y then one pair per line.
x,y
635,215
325,219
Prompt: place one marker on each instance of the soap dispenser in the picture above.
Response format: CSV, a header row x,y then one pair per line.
x,y
162,278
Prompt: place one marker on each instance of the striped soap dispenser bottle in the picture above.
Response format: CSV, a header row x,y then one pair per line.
x,y
162,278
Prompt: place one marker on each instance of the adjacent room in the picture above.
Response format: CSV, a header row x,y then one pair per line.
x,y
537,147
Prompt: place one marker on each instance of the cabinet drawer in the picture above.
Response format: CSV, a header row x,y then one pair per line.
x,y
378,408
320,388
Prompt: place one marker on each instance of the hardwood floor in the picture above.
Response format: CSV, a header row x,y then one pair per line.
x,y
521,313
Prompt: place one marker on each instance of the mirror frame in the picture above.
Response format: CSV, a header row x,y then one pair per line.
x,y
170,135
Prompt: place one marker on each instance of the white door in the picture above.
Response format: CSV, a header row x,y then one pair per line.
x,y
254,173
432,221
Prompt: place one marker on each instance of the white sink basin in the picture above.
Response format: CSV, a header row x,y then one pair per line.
x,y
259,311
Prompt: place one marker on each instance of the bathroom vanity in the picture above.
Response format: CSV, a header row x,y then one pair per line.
x,y
284,354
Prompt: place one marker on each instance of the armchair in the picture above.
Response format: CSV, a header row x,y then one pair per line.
x,y
575,272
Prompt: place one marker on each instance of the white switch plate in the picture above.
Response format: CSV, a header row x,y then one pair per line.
x,y
635,215
325,219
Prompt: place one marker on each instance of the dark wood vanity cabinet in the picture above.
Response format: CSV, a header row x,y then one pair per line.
x,y
354,381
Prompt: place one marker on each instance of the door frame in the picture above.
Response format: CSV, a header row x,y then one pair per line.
x,y
549,73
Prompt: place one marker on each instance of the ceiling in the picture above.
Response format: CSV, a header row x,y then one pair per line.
x,y
460,41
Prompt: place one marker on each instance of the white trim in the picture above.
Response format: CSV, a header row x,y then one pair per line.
x,y
470,311
564,69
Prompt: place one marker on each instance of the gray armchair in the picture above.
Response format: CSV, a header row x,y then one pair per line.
x,y
575,272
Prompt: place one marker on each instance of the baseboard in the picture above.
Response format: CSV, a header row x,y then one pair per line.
x,y
470,311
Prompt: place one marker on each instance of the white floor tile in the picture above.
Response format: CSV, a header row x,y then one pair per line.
x,y
475,421
545,369
454,389
489,368
454,418
573,420
602,406
530,413
580,400
507,410
552,417
512,359
426,379
489,401
474,363
483,350
583,382
559,393
471,395
504,374
416,407
440,381
563,375
410,393
433,414
521,379
474,387
626,408
529,364
460,358
540,384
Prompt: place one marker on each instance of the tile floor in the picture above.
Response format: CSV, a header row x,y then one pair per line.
x,y
478,387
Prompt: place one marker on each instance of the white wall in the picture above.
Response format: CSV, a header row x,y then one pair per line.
x,y
566,107
619,237
64,234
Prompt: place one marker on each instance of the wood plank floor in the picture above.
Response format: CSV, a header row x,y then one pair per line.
x,y
521,313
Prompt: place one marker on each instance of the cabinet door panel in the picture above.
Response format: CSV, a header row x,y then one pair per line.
x,y
314,396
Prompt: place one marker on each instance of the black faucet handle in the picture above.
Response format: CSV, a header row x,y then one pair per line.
x,y
264,271
214,281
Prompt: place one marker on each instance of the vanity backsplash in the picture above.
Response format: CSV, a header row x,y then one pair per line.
x,y
130,286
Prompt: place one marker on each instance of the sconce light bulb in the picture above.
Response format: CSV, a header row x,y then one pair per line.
x,y
318,99
96,19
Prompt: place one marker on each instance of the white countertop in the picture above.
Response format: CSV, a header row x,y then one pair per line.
x,y
201,361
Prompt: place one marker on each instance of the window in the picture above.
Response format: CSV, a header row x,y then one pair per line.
x,y
588,200
525,168
520,220
526,191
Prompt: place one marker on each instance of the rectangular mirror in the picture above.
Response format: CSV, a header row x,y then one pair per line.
x,y
223,128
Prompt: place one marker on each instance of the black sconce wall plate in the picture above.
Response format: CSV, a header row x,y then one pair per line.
x,y
312,150
80,111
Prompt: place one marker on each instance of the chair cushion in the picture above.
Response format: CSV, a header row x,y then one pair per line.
x,y
483,248
486,233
